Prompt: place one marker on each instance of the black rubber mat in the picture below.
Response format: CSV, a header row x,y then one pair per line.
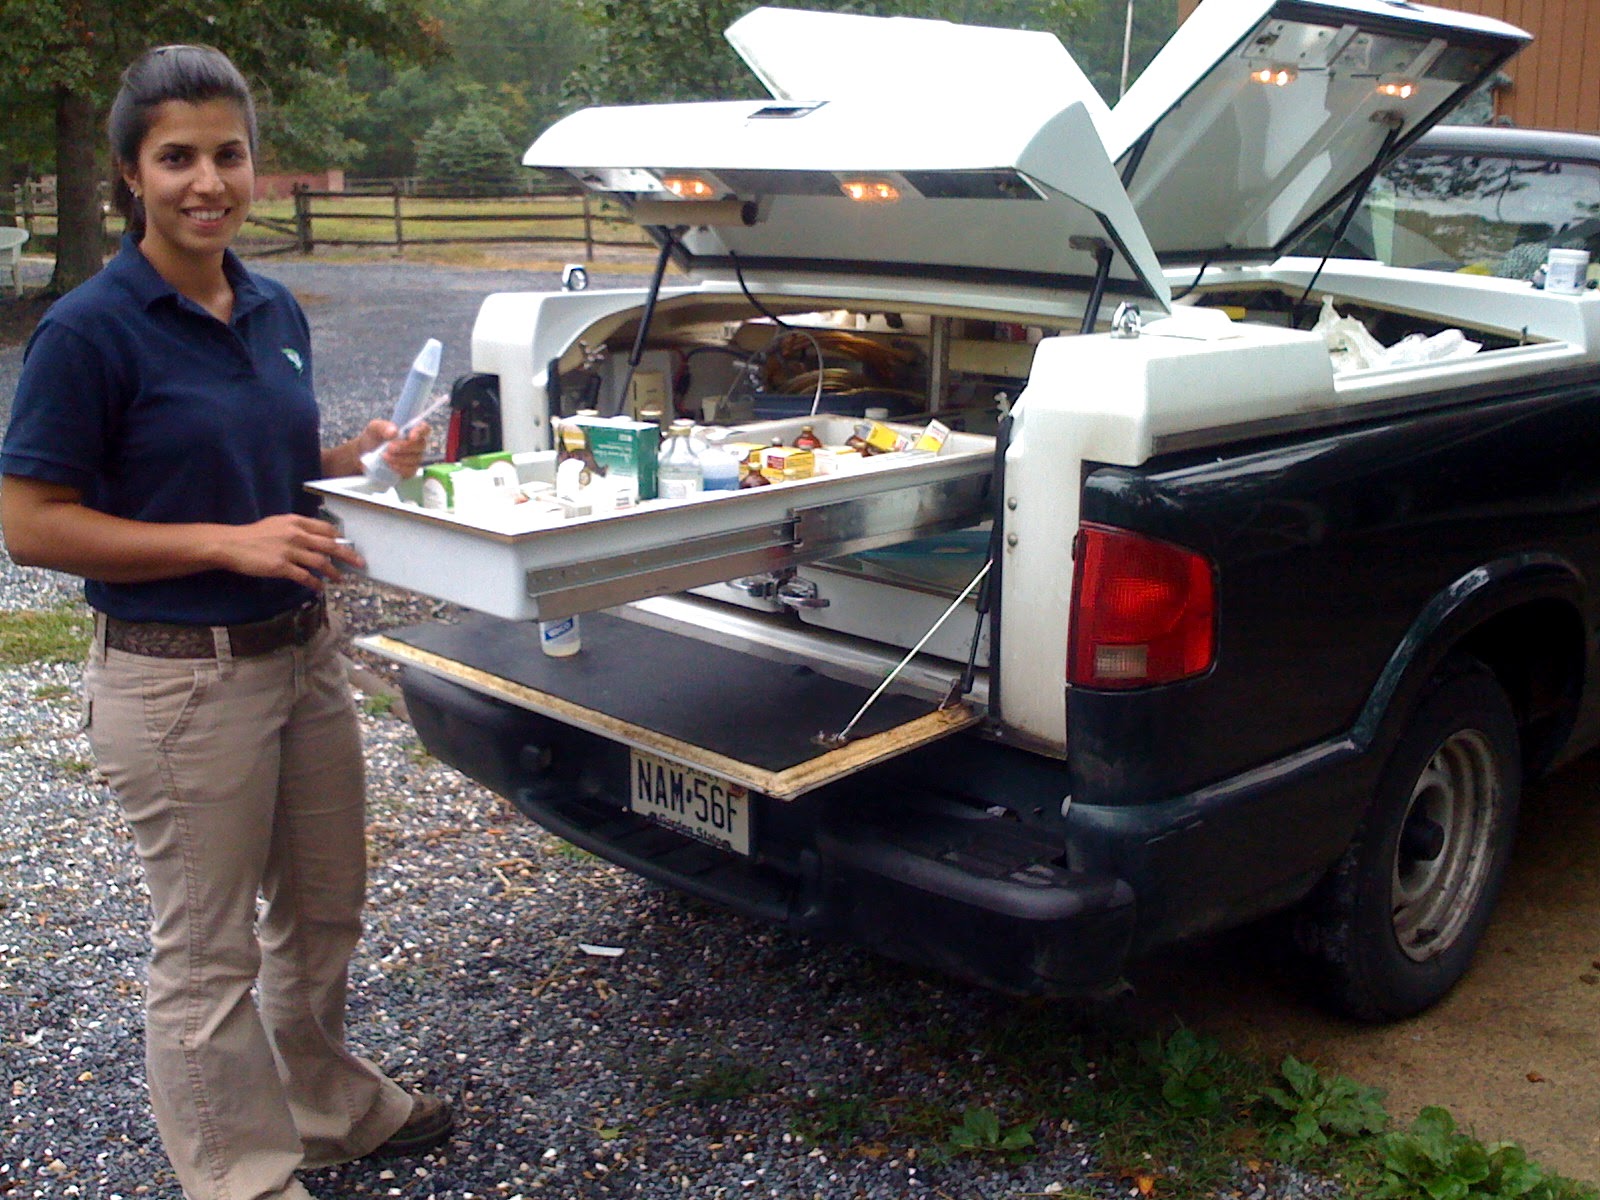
x,y
727,701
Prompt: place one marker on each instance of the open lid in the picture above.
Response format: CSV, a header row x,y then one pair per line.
x,y
1259,116
934,175
802,55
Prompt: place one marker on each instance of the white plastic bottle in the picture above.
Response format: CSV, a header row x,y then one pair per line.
x,y
560,639
677,468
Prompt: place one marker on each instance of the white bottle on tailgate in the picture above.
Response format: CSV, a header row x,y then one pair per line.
x,y
560,639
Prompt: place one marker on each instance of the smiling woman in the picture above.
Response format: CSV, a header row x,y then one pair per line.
x,y
163,430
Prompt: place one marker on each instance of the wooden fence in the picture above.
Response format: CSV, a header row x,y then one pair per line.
x,y
393,214
411,216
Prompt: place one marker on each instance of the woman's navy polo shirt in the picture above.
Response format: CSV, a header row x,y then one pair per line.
x,y
157,411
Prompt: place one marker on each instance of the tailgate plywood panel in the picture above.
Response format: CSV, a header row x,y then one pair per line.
x,y
727,712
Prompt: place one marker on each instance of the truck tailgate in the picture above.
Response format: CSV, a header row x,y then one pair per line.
x,y
751,720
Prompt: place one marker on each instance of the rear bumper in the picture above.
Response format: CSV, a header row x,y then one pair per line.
x,y
919,879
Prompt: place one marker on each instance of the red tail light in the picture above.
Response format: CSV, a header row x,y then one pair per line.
x,y
1142,611
452,437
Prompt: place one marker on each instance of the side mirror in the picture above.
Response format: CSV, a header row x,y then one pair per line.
x,y
574,278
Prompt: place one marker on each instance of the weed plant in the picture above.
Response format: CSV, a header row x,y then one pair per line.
x,y
1170,1116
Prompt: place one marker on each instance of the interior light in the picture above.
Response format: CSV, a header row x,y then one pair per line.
x,y
870,191
689,187
1276,76
1399,89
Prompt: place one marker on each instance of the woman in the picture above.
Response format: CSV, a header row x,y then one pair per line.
x,y
163,429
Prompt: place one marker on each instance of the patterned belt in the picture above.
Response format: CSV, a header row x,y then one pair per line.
x,y
156,639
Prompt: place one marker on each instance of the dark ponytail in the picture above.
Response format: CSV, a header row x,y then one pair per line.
x,y
193,74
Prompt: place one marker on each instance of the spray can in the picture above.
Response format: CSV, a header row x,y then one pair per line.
x,y
407,409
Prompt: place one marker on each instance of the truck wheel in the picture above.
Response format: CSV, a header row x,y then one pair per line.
x,y
1395,925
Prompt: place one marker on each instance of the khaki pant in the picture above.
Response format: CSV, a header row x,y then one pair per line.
x,y
243,778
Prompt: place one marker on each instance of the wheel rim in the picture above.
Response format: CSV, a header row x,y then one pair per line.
x,y
1442,856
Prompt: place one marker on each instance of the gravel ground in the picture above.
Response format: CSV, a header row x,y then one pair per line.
x,y
684,1062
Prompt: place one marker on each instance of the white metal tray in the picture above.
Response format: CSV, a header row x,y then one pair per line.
x,y
503,564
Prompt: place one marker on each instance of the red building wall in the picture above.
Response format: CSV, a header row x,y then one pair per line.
x,y
277,186
1555,82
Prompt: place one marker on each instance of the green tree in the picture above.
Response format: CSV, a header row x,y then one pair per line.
x,y
1096,40
511,57
305,131
399,104
62,59
469,148
674,49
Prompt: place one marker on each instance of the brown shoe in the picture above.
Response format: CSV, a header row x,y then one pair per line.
x,y
429,1124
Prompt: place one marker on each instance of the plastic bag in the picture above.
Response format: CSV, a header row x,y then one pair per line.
x,y
1350,345
1352,348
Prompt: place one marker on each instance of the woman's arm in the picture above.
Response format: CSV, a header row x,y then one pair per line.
x,y
404,454
48,525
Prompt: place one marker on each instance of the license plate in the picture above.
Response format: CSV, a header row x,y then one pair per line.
x,y
704,807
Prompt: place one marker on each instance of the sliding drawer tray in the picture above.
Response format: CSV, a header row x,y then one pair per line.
x,y
523,567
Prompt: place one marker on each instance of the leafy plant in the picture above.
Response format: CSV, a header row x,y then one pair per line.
x,y
980,1134
1187,1065
1434,1161
1312,1106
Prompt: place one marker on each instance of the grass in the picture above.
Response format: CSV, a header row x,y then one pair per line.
x,y
378,704
56,635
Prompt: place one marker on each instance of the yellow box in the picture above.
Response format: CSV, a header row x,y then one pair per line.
x,y
881,438
782,463
933,437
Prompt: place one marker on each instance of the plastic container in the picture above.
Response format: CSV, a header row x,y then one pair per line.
x,y
719,469
1566,271
560,639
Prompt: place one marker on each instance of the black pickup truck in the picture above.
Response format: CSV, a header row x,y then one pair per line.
x,y
1221,582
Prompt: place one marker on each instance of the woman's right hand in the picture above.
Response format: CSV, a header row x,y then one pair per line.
x,y
302,549
48,525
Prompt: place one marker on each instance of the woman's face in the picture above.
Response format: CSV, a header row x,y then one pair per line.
x,y
196,178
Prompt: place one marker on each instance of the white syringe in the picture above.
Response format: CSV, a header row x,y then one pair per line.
x,y
408,410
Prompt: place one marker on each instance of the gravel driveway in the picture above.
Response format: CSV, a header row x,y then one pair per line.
x,y
686,1058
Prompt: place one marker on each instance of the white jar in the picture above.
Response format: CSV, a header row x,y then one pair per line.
x,y
560,639
1566,271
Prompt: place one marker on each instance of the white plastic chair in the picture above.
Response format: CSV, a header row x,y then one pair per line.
x,y
11,240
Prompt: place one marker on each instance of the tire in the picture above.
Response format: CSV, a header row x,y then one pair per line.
x,y
1395,925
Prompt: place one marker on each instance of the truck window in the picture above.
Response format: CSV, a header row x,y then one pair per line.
x,y
1484,214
